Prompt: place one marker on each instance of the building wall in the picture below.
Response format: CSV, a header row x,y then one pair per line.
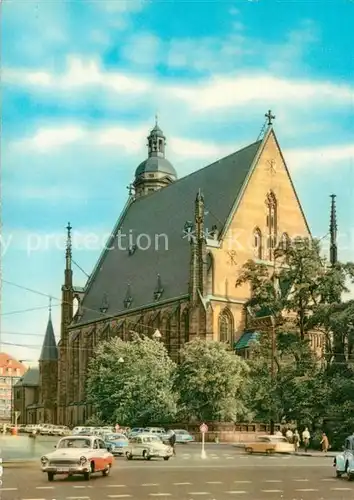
x,y
23,398
48,374
11,371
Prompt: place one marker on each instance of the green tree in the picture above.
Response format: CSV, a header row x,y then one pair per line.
x,y
296,391
303,294
211,381
132,382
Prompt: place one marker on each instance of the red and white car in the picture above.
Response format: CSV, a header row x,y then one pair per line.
x,y
74,455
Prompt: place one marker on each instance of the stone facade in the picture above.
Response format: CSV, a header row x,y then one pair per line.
x,y
214,307
264,211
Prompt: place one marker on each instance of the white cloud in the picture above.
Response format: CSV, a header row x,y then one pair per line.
x,y
218,93
47,139
80,75
129,141
221,93
325,156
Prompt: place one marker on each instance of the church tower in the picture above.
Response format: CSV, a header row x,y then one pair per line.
x,y
48,373
67,309
156,171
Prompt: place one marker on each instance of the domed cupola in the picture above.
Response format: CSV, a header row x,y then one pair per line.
x,y
156,171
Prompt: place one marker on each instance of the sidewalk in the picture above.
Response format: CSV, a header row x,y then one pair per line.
x,y
301,453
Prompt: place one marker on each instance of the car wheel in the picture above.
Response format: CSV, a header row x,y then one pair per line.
x,y
50,476
249,450
106,471
87,475
146,455
338,474
269,452
128,456
350,476
166,458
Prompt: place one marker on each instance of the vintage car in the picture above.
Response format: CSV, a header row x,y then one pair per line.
x,y
344,461
183,436
148,446
117,443
83,455
270,445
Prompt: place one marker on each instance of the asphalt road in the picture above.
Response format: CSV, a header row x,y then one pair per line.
x,y
249,478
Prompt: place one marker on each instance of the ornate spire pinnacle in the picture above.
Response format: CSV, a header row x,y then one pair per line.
x,y
68,253
333,250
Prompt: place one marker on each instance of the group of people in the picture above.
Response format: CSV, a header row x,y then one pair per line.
x,y
294,438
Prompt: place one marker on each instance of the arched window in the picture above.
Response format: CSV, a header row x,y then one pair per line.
x,y
257,243
226,326
285,241
210,274
272,223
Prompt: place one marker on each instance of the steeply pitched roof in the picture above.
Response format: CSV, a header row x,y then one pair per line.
x,y
49,349
29,379
163,212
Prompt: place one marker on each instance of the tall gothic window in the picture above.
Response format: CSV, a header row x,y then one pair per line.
x,y
257,243
272,223
210,274
226,326
285,241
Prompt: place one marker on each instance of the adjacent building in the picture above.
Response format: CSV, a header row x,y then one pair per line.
x,y
11,371
170,264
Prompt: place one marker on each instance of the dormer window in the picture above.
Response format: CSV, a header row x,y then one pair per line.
x,y
159,288
128,302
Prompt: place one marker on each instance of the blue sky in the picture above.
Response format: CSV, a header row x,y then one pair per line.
x,y
82,81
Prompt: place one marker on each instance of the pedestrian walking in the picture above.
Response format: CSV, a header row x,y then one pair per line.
x,y
296,440
306,439
325,443
289,435
172,441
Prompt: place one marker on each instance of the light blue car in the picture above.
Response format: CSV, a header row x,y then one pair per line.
x,y
183,436
344,462
116,443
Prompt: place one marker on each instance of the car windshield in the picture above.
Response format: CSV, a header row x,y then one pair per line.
x,y
151,439
75,443
114,437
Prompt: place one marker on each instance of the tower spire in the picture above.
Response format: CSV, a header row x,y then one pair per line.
x,y
333,250
50,307
68,253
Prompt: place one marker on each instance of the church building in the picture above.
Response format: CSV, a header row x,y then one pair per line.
x,y
171,263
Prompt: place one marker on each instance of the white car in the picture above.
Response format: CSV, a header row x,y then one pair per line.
x,y
83,455
148,446
60,430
